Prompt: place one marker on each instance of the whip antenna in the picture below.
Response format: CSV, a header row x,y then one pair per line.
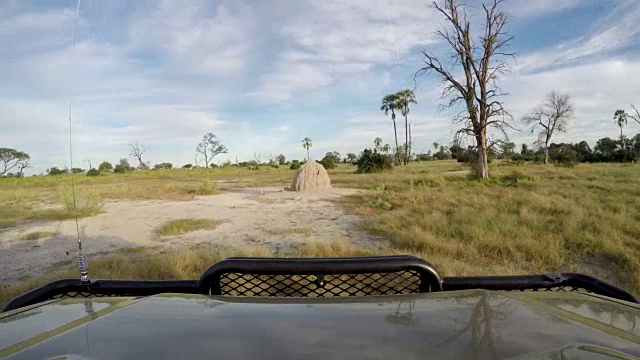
x,y
82,260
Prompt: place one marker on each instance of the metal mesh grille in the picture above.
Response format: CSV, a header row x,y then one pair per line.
x,y
557,289
83,294
402,282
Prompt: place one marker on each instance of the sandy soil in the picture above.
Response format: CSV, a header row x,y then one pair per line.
x,y
265,216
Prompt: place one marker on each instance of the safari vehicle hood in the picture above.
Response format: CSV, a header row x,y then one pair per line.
x,y
458,325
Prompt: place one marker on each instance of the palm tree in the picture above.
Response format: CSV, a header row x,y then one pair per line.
x,y
404,98
306,143
620,117
377,142
389,105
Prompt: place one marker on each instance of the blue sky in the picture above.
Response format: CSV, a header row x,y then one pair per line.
x,y
265,74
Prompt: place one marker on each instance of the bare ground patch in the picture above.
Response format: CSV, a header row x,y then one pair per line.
x,y
271,217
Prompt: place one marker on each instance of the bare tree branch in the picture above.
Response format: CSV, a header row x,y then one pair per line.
x,y
482,62
137,150
554,114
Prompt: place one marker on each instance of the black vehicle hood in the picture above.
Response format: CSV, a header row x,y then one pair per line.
x,y
455,325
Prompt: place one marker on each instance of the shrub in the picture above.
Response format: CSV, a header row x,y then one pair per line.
x,y
163,166
328,163
120,169
105,166
373,161
123,167
295,165
379,203
55,171
76,170
93,172
206,188
187,166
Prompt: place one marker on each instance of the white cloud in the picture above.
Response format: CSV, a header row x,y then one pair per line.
x,y
195,41
318,67
597,90
331,41
538,7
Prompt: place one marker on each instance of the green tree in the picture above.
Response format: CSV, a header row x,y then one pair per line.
x,y
333,156
12,158
404,99
352,158
209,147
507,149
377,142
105,166
606,146
307,144
123,167
456,151
282,160
389,104
373,161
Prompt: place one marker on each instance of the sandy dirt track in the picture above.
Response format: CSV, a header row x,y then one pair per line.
x,y
259,216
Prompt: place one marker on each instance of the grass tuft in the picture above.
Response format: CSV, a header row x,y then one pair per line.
x,y
182,226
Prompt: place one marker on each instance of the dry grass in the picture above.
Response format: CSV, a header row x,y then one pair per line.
x,y
530,219
526,219
188,263
38,235
182,226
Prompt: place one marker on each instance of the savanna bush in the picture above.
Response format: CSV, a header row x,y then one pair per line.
x,y
373,161
93,172
295,165
327,163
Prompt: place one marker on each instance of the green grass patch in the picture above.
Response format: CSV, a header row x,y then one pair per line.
x,y
182,226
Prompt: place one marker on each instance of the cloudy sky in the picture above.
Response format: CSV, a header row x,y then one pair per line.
x,y
262,75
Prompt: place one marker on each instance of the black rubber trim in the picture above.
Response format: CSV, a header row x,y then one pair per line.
x,y
541,282
209,282
102,288
429,278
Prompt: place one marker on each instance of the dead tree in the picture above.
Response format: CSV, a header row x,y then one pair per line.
x,y
256,157
554,114
137,150
271,159
471,71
